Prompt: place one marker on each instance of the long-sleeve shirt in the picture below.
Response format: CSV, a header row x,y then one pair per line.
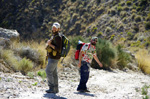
x,y
57,42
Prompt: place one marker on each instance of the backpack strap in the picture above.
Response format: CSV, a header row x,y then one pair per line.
x,y
89,46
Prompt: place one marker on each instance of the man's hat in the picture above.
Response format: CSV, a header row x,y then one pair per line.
x,y
93,38
56,24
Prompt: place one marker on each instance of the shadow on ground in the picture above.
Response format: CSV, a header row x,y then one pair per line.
x,y
53,96
85,94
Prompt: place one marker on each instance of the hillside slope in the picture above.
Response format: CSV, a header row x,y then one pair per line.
x,y
110,19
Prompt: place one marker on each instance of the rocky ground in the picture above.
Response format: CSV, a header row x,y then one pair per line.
x,y
103,84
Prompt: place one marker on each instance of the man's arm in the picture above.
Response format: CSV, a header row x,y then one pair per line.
x,y
80,58
58,45
49,43
97,60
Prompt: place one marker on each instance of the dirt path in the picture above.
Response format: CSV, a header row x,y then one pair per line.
x,y
102,84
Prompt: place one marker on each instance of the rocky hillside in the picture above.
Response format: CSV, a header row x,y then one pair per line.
x,y
112,19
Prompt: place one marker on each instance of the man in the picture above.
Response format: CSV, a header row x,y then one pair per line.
x,y
54,54
87,53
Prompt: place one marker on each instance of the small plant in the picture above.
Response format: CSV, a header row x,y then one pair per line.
x,y
100,34
9,80
136,44
20,81
130,35
25,65
126,8
145,91
112,37
123,14
138,18
148,17
94,29
35,84
119,8
108,29
123,57
133,16
147,25
42,74
30,74
128,3
112,12
0,78
88,30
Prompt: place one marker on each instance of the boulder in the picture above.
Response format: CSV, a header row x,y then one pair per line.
x,y
9,34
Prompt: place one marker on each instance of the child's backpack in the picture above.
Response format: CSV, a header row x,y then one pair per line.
x,y
65,46
78,49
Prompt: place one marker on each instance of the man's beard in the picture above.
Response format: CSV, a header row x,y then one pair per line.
x,y
56,32
93,44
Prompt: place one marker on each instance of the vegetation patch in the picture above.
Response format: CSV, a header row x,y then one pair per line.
x,y
143,58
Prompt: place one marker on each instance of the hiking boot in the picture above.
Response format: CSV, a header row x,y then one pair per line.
x,y
56,90
50,91
83,90
86,90
80,90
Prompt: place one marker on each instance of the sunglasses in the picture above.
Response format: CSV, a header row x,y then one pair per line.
x,y
95,40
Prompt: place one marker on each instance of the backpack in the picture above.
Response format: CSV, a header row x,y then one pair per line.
x,y
65,46
78,49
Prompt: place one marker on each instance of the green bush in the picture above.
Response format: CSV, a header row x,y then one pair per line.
x,y
138,18
126,8
145,91
108,29
105,52
100,34
112,12
74,40
130,35
119,8
148,17
25,65
133,16
42,74
147,25
123,14
94,29
30,74
129,3
123,57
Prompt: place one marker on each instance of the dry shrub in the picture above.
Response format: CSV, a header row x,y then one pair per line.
x,y
32,50
25,65
143,58
9,58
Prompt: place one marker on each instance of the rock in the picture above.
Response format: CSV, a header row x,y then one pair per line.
x,y
9,34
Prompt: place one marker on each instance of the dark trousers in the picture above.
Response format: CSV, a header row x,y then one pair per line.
x,y
84,75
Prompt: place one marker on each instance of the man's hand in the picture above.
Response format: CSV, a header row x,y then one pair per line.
x,y
100,64
79,65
